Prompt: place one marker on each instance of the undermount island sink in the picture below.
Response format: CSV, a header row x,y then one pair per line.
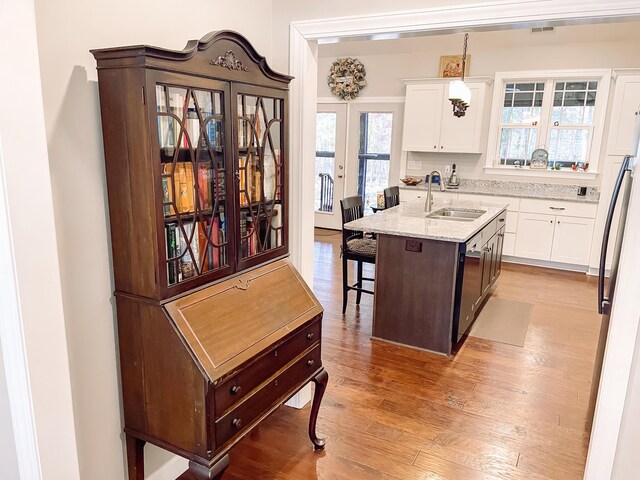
x,y
456,214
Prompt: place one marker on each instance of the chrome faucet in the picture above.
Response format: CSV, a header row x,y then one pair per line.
x,y
428,204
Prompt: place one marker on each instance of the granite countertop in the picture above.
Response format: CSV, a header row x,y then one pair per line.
x,y
409,220
545,191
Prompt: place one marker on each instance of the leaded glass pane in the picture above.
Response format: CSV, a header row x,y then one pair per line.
x,y
260,174
193,181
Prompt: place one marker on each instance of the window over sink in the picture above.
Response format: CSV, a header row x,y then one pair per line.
x,y
559,113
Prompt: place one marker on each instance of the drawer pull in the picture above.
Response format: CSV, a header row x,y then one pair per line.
x,y
557,208
501,220
310,336
237,423
311,363
235,390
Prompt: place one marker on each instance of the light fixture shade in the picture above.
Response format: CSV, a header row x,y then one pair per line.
x,y
456,89
459,92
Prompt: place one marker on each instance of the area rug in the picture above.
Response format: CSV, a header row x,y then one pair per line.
x,y
504,321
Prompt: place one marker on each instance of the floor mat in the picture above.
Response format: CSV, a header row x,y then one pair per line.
x,y
504,321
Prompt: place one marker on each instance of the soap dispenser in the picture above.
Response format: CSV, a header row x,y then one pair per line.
x,y
453,179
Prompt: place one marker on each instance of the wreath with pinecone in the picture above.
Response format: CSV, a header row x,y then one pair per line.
x,y
346,78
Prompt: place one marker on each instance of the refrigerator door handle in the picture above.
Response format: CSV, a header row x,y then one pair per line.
x,y
605,301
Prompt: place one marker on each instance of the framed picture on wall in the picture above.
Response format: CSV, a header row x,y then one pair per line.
x,y
451,66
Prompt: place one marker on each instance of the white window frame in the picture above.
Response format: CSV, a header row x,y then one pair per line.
x,y
602,76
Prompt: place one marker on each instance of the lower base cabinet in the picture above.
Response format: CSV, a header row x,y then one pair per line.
x,y
554,238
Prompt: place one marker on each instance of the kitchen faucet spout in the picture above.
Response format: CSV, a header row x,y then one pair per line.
x,y
428,204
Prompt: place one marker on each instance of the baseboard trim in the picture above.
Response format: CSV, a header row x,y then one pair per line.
x,y
546,264
170,470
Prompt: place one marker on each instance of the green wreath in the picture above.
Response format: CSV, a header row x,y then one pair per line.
x,y
346,78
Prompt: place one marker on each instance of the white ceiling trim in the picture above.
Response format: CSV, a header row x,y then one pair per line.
x,y
476,15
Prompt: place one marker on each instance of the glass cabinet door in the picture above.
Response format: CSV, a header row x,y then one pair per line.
x,y
260,174
191,140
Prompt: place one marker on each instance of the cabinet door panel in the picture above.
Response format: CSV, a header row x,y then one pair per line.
x,y
572,240
509,245
462,134
422,117
625,104
535,236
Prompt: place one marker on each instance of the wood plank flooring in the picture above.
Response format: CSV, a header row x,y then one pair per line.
x,y
493,411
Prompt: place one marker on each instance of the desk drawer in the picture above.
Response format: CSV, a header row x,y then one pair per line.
x,y
232,390
260,401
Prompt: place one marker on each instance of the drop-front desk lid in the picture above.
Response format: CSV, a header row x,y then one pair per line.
x,y
228,323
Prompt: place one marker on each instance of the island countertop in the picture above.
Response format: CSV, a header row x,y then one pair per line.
x,y
409,220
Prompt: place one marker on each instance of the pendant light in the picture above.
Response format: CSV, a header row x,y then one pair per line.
x,y
459,93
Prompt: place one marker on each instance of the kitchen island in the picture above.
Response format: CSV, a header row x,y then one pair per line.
x,y
433,271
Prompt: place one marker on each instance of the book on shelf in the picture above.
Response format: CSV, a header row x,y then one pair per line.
x,y
252,236
204,249
244,184
173,251
205,178
189,248
278,175
243,234
276,226
184,186
167,194
223,237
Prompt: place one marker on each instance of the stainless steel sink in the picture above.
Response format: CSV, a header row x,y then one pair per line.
x,y
456,214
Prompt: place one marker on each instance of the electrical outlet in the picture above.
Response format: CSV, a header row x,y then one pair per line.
x,y
414,165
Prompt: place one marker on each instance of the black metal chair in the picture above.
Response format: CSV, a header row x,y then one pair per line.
x,y
391,196
356,247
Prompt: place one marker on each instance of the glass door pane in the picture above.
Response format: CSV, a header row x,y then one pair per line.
x,y
325,160
261,174
190,136
374,154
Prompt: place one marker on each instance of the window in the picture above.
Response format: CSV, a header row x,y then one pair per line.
x,y
374,155
562,112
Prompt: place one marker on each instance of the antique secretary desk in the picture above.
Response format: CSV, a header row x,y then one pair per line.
x,y
216,328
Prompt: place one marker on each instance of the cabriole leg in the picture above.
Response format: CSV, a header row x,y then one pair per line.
x,y
320,381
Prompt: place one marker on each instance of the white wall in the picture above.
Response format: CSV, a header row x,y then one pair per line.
x,y
571,47
8,454
32,320
625,466
67,29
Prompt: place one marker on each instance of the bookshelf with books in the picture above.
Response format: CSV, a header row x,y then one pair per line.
x,y
195,148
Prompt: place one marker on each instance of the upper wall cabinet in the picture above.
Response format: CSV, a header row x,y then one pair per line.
x,y
429,123
626,102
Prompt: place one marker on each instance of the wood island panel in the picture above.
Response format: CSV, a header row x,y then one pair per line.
x,y
415,290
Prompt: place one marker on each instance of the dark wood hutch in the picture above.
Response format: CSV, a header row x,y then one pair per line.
x,y
216,328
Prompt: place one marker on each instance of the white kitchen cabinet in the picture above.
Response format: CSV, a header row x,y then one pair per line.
x,y
430,126
509,246
626,99
535,235
572,240
554,238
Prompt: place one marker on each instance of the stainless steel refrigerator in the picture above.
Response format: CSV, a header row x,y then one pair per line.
x,y
619,203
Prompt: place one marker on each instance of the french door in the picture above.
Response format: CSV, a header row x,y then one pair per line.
x,y
357,153
331,138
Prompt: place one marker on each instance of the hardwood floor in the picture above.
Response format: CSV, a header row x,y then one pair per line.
x,y
492,411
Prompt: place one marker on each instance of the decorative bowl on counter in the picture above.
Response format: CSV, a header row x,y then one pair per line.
x,y
411,181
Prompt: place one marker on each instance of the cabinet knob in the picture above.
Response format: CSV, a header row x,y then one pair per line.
x,y
435,146
311,363
441,146
237,423
237,174
310,336
235,390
